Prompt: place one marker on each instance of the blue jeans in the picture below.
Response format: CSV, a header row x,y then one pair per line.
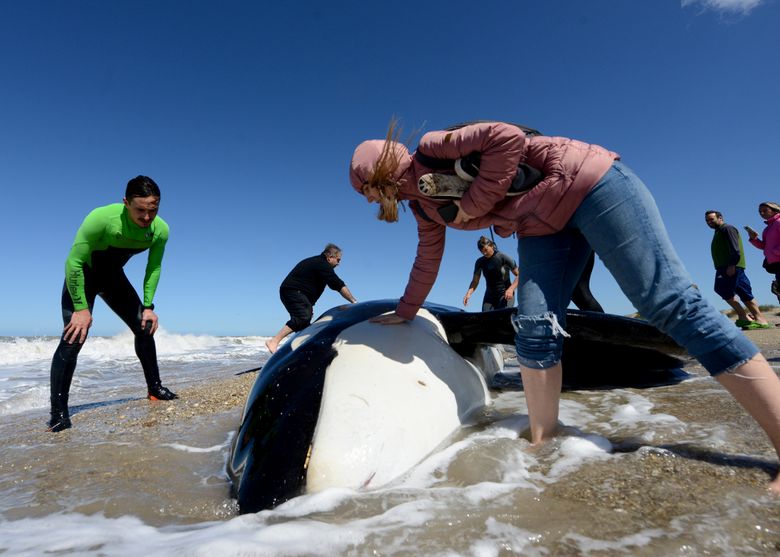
x,y
619,220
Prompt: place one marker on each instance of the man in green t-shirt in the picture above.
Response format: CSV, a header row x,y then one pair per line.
x,y
105,241
728,256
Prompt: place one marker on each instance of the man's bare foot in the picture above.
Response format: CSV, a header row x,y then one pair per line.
x,y
774,485
272,345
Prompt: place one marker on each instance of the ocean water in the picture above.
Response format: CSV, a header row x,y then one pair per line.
x,y
108,365
673,470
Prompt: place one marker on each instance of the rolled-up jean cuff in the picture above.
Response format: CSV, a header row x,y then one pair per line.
x,y
539,340
729,356
538,364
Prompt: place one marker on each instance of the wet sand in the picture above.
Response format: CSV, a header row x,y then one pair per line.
x,y
113,420
128,456
133,456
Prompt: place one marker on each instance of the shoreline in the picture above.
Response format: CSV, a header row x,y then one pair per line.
x,y
135,414
228,394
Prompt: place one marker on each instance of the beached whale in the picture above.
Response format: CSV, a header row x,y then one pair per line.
x,y
348,403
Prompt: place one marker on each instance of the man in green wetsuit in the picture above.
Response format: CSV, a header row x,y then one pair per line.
x,y
105,241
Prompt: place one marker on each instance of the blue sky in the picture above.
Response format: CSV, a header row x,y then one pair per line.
x,y
246,114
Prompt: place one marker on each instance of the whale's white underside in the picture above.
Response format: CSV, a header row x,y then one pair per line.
x,y
391,396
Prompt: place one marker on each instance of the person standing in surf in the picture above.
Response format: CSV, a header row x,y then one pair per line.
x,y
303,286
585,198
499,292
496,266
105,241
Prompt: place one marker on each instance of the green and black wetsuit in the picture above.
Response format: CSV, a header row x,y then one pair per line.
x,y
104,243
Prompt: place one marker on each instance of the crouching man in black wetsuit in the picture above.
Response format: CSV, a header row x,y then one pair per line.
x,y
499,289
499,292
105,241
303,286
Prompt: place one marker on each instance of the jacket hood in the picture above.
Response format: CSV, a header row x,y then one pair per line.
x,y
364,161
771,204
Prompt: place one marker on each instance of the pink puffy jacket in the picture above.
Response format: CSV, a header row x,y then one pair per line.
x,y
770,240
570,169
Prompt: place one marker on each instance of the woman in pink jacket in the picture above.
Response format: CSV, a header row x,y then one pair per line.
x,y
586,198
770,241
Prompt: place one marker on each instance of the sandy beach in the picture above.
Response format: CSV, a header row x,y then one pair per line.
x,y
228,395
163,462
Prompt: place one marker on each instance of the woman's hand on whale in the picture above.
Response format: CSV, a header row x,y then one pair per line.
x,y
388,319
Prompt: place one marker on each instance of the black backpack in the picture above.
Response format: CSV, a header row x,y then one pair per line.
x,y
527,176
531,132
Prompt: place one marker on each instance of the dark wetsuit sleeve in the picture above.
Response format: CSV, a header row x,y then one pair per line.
x,y
311,276
154,265
332,279
509,262
477,273
88,234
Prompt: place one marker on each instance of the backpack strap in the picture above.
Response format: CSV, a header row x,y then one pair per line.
x,y
432,162
417,209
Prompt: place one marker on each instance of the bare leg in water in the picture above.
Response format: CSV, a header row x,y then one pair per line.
x,y
753,384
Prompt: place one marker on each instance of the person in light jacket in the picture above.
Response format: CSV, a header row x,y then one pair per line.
x,y
586,199
769,242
